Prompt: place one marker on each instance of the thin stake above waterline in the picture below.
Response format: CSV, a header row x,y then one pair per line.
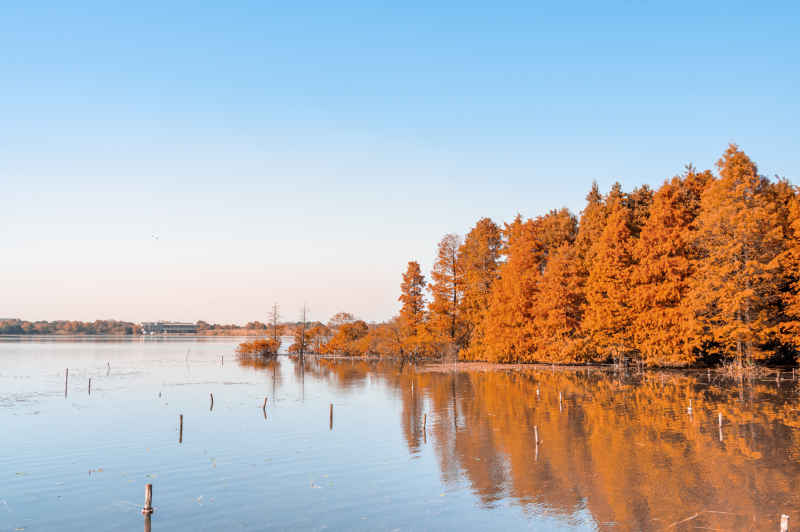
x,y
330,418
180,430
148,499
66,382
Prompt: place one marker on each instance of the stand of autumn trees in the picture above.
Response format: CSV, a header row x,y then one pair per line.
x,y
705,269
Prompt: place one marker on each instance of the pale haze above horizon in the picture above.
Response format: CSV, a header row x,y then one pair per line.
x,y
199,162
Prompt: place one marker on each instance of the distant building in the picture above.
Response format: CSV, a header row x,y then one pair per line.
x,y
168,327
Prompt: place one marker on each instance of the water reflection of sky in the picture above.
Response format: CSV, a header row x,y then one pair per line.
x,y
618,452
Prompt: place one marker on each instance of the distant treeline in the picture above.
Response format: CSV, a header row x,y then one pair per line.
x,y
705,269
253,328
68,327
114,327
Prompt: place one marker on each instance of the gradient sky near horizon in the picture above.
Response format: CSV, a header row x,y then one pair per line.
x,y
194,160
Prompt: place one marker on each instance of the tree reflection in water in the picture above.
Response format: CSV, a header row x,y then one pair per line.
x,y
622,447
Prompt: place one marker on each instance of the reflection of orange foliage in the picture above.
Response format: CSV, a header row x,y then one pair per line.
x,y
259,363
624,448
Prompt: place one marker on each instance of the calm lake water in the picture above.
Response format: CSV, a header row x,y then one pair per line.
x,y
617,452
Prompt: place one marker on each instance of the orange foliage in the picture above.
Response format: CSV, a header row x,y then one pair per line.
x,y
259,347
791,268
609,313
735,293
445,323
412,314
350,339
479,256
665,263
702,269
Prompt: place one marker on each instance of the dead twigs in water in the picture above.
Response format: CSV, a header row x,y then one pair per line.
x,y
698,514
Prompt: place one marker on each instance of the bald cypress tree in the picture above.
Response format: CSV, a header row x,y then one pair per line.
x,y
506,325
665,262
790,261
559,307
412,313
446,324
735,293
479,255
609,313
592,222
510,327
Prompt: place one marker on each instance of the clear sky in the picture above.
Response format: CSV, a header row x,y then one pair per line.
x,y
185,161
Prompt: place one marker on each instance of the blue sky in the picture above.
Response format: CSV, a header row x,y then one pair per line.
x,y
306,153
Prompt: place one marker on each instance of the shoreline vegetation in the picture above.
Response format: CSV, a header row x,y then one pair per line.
x,y
703,271
260,347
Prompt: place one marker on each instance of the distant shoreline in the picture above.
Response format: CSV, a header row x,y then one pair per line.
x,y
106,335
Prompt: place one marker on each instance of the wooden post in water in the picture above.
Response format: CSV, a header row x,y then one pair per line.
x,y
537,392
689,410
147,526
66,381
180,432
559,402
719,417
212,401
425,422
90,386
264,406
148,499
784,523
330,418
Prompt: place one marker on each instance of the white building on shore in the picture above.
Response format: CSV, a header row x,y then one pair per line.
x,y
168,327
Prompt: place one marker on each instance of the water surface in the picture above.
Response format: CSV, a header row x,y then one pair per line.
x,y
407,448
